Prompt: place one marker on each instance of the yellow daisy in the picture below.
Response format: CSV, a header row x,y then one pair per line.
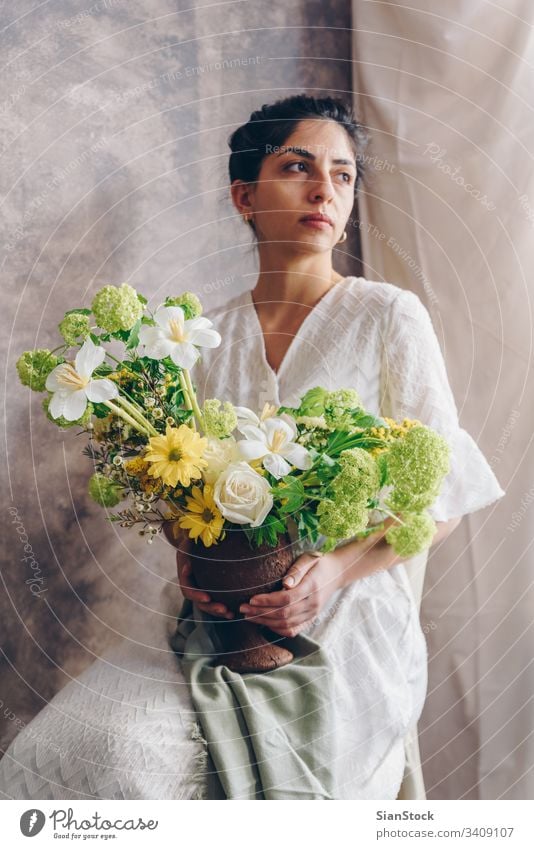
x,y
203,519
177,456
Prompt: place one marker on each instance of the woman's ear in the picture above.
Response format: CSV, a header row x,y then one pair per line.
x,y
242,196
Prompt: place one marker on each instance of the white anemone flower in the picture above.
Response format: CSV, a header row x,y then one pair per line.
x,y
176,337
73,384
273,441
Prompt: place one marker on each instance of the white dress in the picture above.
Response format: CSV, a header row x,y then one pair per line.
x,y
125,728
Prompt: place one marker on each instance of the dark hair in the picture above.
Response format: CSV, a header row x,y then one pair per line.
x,y
272,125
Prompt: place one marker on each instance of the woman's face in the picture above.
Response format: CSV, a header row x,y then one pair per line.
x,y
291,185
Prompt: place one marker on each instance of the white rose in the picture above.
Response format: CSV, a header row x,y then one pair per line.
x,y
219,453
242,495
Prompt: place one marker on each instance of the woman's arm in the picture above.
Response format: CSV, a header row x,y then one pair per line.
x,y
363,557
316,577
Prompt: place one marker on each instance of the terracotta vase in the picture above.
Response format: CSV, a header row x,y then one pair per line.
x,y
232,572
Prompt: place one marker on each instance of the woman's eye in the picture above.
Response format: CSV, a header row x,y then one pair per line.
x,y
291,164
344,174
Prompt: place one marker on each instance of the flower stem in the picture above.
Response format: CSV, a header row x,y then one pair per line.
x,y
127,418
187,400
134,411
389,513
193,398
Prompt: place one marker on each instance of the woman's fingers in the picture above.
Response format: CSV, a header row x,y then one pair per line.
x,y
216,609
300,568
275,621
189,590
293,578
199,597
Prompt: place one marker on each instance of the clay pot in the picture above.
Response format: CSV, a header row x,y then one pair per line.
x,y
232,572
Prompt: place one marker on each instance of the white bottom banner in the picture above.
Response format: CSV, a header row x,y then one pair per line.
x,y
340,824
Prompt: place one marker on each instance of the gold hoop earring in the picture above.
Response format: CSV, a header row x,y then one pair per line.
x,y
343,238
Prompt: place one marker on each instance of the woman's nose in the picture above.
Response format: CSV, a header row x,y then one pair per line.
x,y
321,189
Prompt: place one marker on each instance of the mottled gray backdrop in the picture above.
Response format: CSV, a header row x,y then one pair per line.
x,y
115,119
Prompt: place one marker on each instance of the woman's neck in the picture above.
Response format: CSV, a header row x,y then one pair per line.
x,y
303,282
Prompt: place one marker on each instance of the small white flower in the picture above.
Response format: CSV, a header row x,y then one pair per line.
x,y
176,337
73,385
274,442
242,495
312,421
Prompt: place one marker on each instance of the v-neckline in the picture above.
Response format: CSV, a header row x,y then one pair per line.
x,y
301,327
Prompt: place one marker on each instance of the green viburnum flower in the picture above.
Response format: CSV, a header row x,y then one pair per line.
x,y
104,491
74,327
83,421
341,520
189,302
219,422
414,536
417,464
345,513
337,407
34,367
117,308
358,478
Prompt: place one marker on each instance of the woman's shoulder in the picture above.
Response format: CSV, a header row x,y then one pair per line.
x,y
379,290
378,299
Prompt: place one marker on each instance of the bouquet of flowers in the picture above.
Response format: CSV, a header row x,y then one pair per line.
x,y
123,375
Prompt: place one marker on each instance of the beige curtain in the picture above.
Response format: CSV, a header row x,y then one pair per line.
x,y
447,91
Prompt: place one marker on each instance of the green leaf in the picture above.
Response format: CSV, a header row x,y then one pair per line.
x,y
79,310
382,464
363,419
100,410
142,298
292,489
133,338
292,411
103,370
312,402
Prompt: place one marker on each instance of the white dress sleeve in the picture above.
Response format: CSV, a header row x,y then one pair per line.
x,y
414,385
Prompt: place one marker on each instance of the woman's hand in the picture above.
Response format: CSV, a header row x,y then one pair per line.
x,y
193,593
310,582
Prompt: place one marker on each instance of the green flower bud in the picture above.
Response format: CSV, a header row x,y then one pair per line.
x,y
117,308
337,406
414,536
417,464
358,478
104,491
189,302
312,402
74,327
341,520
34,367
219,422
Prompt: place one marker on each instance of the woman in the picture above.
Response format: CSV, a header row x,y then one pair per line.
x,y
123,728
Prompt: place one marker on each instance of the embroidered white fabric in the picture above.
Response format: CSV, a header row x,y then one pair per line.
x,y
125,728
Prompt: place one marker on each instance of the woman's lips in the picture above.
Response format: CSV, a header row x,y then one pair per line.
x,y
315,223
